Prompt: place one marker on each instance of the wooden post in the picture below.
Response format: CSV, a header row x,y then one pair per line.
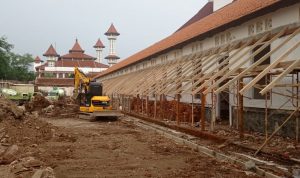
x,y
142,98
297,104
129,103
213,110
155,105
241,109
193,120
160,107
177,109
147,106
203,101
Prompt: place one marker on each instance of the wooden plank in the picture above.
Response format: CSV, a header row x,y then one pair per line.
x,y
249,58
271,66
280,77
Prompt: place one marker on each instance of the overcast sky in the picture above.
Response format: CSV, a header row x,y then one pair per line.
x,y
32,25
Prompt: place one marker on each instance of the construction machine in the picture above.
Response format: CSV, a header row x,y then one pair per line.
x,y
17,97
88,93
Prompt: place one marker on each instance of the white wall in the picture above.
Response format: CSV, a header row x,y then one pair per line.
x,y
281,17
218,4
71,69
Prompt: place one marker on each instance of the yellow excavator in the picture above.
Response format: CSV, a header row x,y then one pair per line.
x,y
89,97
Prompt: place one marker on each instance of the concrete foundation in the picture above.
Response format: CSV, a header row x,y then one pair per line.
x,y
254,120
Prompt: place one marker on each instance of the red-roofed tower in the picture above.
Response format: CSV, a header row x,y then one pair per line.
x,y
99,48
112,34
51,55
37,62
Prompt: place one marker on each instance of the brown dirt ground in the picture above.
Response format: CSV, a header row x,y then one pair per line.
x,y
81,148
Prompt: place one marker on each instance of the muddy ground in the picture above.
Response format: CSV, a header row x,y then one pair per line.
x,y
110,148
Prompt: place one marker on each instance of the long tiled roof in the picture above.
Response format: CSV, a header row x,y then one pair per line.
x,y
231,13
90,64
77,55
68,63
54,82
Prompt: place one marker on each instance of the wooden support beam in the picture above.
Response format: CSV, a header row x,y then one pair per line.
x,y
203,102
193,119
216,66
281,76
155,107
177,109
241,109
271,66
237,59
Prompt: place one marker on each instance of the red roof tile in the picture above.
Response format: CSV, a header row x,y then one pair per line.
x,y
37,59
112,57
224,16
86,63
112,31
50,52
76,47
54,82
99,44
69,63
77,55
205,11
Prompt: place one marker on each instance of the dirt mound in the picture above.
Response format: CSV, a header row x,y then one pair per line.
x,y
20,128
9,109
65,106
37,104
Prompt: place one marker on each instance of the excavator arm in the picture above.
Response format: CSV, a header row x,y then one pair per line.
x,y
81,82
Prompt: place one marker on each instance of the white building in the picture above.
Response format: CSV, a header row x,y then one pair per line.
x,y
58,71
252,41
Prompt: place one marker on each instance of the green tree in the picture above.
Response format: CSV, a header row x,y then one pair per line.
x,y
14,66
5,48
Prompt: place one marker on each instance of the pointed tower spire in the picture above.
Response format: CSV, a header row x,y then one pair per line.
x,y
51,55
112,34
99,48
51,52
76,47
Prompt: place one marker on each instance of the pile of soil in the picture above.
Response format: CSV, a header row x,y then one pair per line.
x,y
37,104
21,133
18,127
65,106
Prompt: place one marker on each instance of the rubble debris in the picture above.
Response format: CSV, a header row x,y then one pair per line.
x,y
9,155
37,104
64,106
8,109
30,167
250,165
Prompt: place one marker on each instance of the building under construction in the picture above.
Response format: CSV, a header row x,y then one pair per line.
x,y
233,64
